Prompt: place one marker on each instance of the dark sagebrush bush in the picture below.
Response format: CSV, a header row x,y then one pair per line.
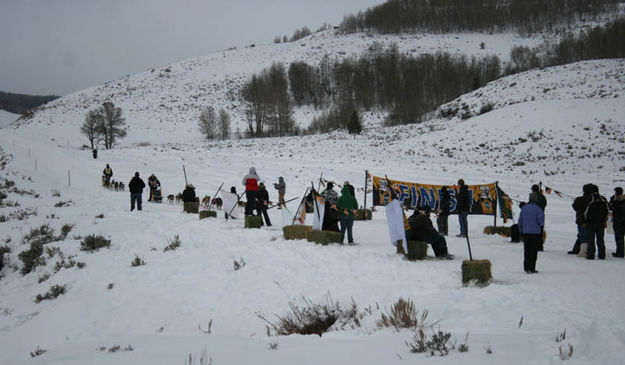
x,y
173,244
137,261
32,258
55,291
313,318
436,343
42,235
403,314
65,230
94,242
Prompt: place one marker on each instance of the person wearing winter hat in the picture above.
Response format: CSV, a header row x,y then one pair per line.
x,y
579,206
330,217
346,205
531,222
262,202
281,187
188,194
251,187
422,229
135,186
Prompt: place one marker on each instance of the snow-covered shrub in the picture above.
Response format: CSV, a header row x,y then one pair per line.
x,y
55,291
31,258
42,235
173,244
403,314
137,261
436,343
38,351
313,318
93,243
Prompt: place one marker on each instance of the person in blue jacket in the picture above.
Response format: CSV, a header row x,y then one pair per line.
x,y
531,223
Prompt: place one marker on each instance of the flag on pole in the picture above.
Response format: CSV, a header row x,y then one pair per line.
x,y
301,219
505,204
230,203
396,219
320,208
547,190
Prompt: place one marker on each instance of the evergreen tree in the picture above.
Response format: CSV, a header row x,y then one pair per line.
x,y
354,126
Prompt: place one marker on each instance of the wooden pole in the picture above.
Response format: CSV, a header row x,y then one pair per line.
x,y
185,176
69,179
496,203
365,205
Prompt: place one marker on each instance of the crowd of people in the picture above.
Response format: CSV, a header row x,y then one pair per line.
x,y
591,214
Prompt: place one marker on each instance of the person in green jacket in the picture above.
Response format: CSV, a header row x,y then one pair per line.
x,y
346,206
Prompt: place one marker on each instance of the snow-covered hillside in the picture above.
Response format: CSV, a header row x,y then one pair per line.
x,y
163,104
7,118
566,136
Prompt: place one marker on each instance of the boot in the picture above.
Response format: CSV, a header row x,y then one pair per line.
x,y
583,247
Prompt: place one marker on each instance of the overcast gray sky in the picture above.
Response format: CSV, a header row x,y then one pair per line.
x,y
60,46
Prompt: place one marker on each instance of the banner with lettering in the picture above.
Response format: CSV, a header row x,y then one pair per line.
x,y
413,195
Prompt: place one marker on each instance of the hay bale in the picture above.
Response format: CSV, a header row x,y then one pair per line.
x,y
296,232
208,214
253,221
323,237
363,215
417,250
191,207
477,271
504,231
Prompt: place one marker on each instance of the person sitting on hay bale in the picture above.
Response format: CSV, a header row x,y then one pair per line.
x,y
422,229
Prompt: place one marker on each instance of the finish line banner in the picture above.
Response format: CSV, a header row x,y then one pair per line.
x,y
413,195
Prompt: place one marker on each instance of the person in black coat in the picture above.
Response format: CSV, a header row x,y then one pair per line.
x,y
135,186
188,194
596,217
443,212
463,207
617,206
262,202
579,206
421,229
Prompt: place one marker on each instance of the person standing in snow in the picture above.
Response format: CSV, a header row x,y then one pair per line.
x,y
188,194
463,207
107,174
251,188
596,217
579,206
617,206
262,203
154,185
531,222
346,205
281,187
330,217
443,212
542,203
135,186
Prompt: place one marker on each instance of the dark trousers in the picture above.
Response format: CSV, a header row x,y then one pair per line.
x,y
441,221
619,234
330,219
251,202
135,197
531,243
347,222
462,219
595,235
263,211
439,245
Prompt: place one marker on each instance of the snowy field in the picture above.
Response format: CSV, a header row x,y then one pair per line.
x,y
163,308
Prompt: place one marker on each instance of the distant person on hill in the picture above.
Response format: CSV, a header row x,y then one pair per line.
x,y
617,206
281,187
107,174
154,185
463,207
262,203
346,205
596,218
443,212
531,222
95,154
251,188
422,229
135,186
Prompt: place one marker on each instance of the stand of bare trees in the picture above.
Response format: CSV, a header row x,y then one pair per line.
x,y
104,124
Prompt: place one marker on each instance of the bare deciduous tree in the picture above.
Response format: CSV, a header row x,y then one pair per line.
x,y
208,123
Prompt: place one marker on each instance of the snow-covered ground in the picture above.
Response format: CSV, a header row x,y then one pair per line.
x,y
7,118
565,137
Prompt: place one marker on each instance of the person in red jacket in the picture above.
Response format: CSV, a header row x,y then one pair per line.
x,y
251,187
